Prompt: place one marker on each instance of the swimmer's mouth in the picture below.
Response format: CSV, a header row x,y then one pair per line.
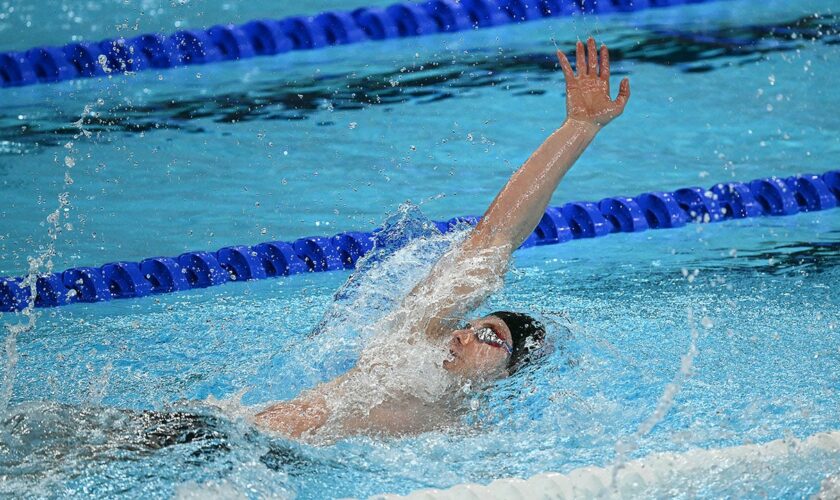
x,y
450,360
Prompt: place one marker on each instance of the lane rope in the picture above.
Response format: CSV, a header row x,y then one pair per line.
x,y
771,196
266,37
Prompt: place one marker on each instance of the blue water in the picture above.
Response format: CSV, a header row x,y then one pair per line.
x,y
332,140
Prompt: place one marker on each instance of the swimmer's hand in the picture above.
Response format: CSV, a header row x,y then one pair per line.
x,y
588,92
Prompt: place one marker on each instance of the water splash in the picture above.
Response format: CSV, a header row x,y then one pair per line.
x,y
377,324
829,488
41,263
57,221
666,402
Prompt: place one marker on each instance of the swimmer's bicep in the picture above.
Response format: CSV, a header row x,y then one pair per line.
x,y
296,417
307,412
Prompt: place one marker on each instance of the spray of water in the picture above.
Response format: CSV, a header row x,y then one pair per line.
x,y
376,324
57,221
829,488
666,402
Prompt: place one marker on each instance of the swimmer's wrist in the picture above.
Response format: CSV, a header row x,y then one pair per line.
x,y
584,126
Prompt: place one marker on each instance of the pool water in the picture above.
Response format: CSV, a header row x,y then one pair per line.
x,y
326,141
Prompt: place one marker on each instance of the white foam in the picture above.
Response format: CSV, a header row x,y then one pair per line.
x,y
642,477
830,488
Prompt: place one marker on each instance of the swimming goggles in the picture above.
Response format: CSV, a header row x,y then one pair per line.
x,y
486,335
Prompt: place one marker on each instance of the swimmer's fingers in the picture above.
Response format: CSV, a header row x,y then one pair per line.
x,y
605,64
580,59
591,58
565,66
623,94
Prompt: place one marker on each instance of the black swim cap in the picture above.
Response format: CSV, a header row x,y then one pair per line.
x,y
527,334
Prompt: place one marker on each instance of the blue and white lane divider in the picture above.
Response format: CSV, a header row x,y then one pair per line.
x,y
655,210
266,37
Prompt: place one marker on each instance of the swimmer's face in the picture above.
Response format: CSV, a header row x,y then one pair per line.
x,y
480,349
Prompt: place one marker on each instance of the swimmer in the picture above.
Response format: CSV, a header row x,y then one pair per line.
x,y
483,349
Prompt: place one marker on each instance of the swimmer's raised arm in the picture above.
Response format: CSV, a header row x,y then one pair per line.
x,y
435,303
519,206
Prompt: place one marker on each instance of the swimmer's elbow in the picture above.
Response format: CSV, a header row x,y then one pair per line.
x,y
489,244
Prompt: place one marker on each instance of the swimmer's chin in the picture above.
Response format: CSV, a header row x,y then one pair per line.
x,y
450,363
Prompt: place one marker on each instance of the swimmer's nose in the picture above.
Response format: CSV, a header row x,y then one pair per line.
x,y
463,336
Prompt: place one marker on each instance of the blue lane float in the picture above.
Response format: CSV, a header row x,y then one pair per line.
x,y
657,210
266,37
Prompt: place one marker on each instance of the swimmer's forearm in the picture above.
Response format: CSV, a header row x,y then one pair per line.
x,y
520,205
517,209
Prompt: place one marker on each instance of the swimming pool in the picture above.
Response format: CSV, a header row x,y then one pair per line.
x,y
323,141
